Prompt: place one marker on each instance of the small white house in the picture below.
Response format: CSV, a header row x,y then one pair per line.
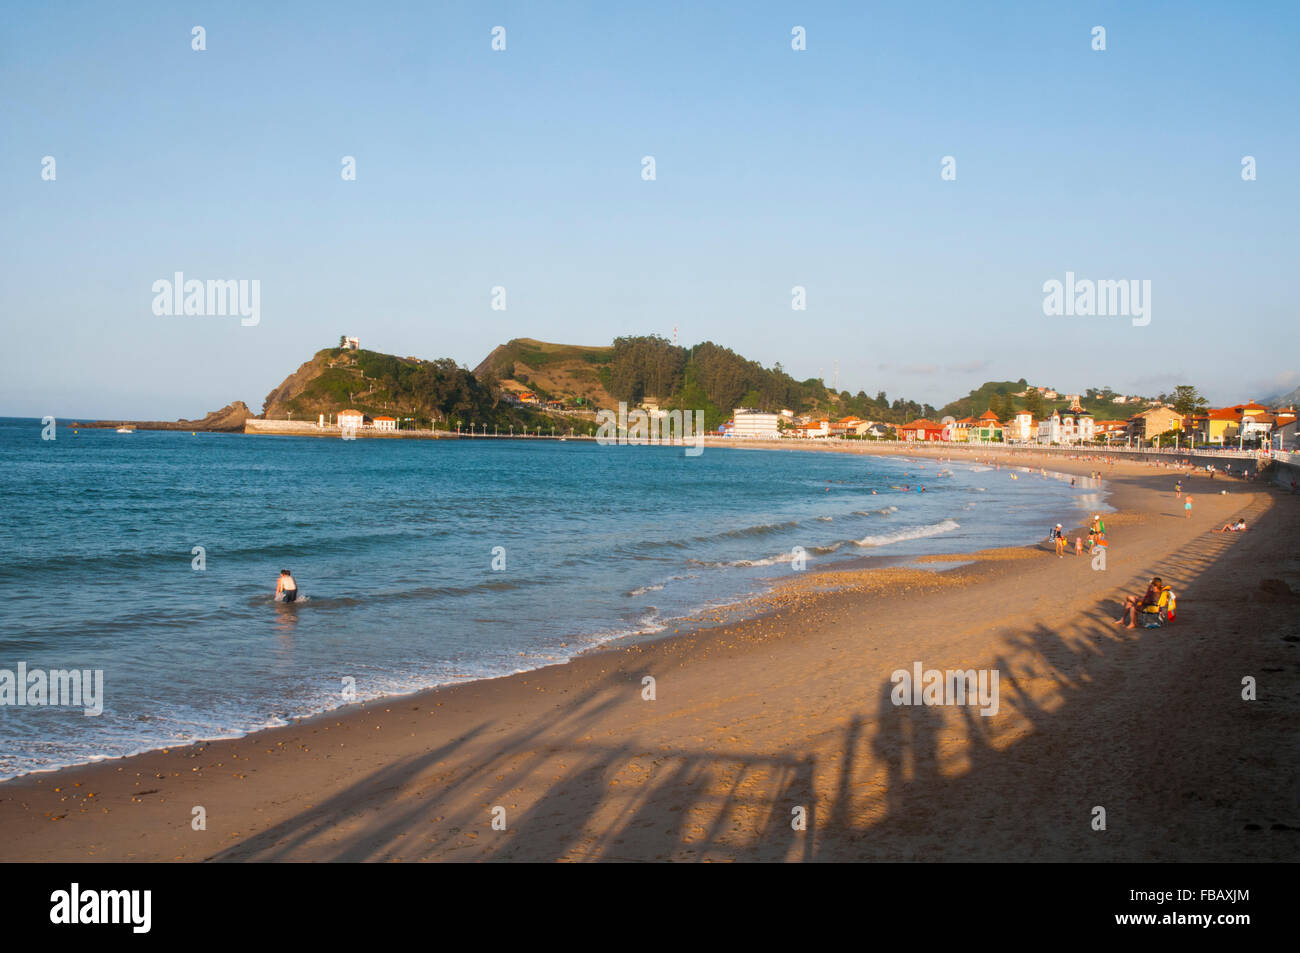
x,y
386,423
351,419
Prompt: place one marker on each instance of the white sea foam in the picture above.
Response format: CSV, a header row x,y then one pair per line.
x,y
911,532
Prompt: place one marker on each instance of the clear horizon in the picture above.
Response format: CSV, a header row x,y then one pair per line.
x,y
522,169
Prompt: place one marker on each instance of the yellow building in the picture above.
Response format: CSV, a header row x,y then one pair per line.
x,y
1151,423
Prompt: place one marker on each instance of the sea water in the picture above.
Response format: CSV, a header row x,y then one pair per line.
x,y
153,557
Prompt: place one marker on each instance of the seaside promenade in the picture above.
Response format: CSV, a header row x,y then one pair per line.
x,y
306,428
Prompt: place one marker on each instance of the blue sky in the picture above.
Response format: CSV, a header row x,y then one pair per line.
x,y
522,169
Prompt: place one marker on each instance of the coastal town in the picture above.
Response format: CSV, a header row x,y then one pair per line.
x,y
1245,426
1248,426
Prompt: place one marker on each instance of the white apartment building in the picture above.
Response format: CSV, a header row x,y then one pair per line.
x,y
754,423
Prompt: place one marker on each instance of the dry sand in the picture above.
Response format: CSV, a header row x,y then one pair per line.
x,y
790,709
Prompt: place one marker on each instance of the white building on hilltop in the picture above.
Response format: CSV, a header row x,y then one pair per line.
x,y
754,424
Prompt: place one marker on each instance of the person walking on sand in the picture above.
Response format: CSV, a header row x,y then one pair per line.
x,y
1178,490
1058,536
1187,508
286,587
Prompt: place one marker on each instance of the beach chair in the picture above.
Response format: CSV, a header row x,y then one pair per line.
x,y
1162,612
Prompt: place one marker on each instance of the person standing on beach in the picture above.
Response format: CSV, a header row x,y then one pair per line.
x,y
1178,490
1058,536
1187,508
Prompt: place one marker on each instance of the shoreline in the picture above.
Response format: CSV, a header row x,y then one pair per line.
x,y
730,609
798,622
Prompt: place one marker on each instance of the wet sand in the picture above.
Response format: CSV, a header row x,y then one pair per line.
x,y
790,711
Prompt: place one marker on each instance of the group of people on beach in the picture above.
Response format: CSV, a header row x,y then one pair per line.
x,y
1096,537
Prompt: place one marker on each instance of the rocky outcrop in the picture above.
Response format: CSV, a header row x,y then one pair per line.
x,y
228,419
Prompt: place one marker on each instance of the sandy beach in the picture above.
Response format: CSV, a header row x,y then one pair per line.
x,y
788,713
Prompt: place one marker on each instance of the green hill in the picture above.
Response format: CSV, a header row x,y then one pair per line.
x,y
716,379
435,391
574,373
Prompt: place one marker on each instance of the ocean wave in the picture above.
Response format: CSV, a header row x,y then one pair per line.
x,y
911,532
746,563
758,529
883,539
761,529
884,511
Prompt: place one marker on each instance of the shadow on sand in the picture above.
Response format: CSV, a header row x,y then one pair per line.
x,y
891,783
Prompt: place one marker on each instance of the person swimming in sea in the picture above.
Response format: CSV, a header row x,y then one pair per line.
x,y
286,587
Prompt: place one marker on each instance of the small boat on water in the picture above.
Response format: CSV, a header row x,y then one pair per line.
x,y
127,429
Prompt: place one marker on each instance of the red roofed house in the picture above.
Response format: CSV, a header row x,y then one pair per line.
x,y
385,423
987,428
1217,425
849,426
922,430
1256,422
815,428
